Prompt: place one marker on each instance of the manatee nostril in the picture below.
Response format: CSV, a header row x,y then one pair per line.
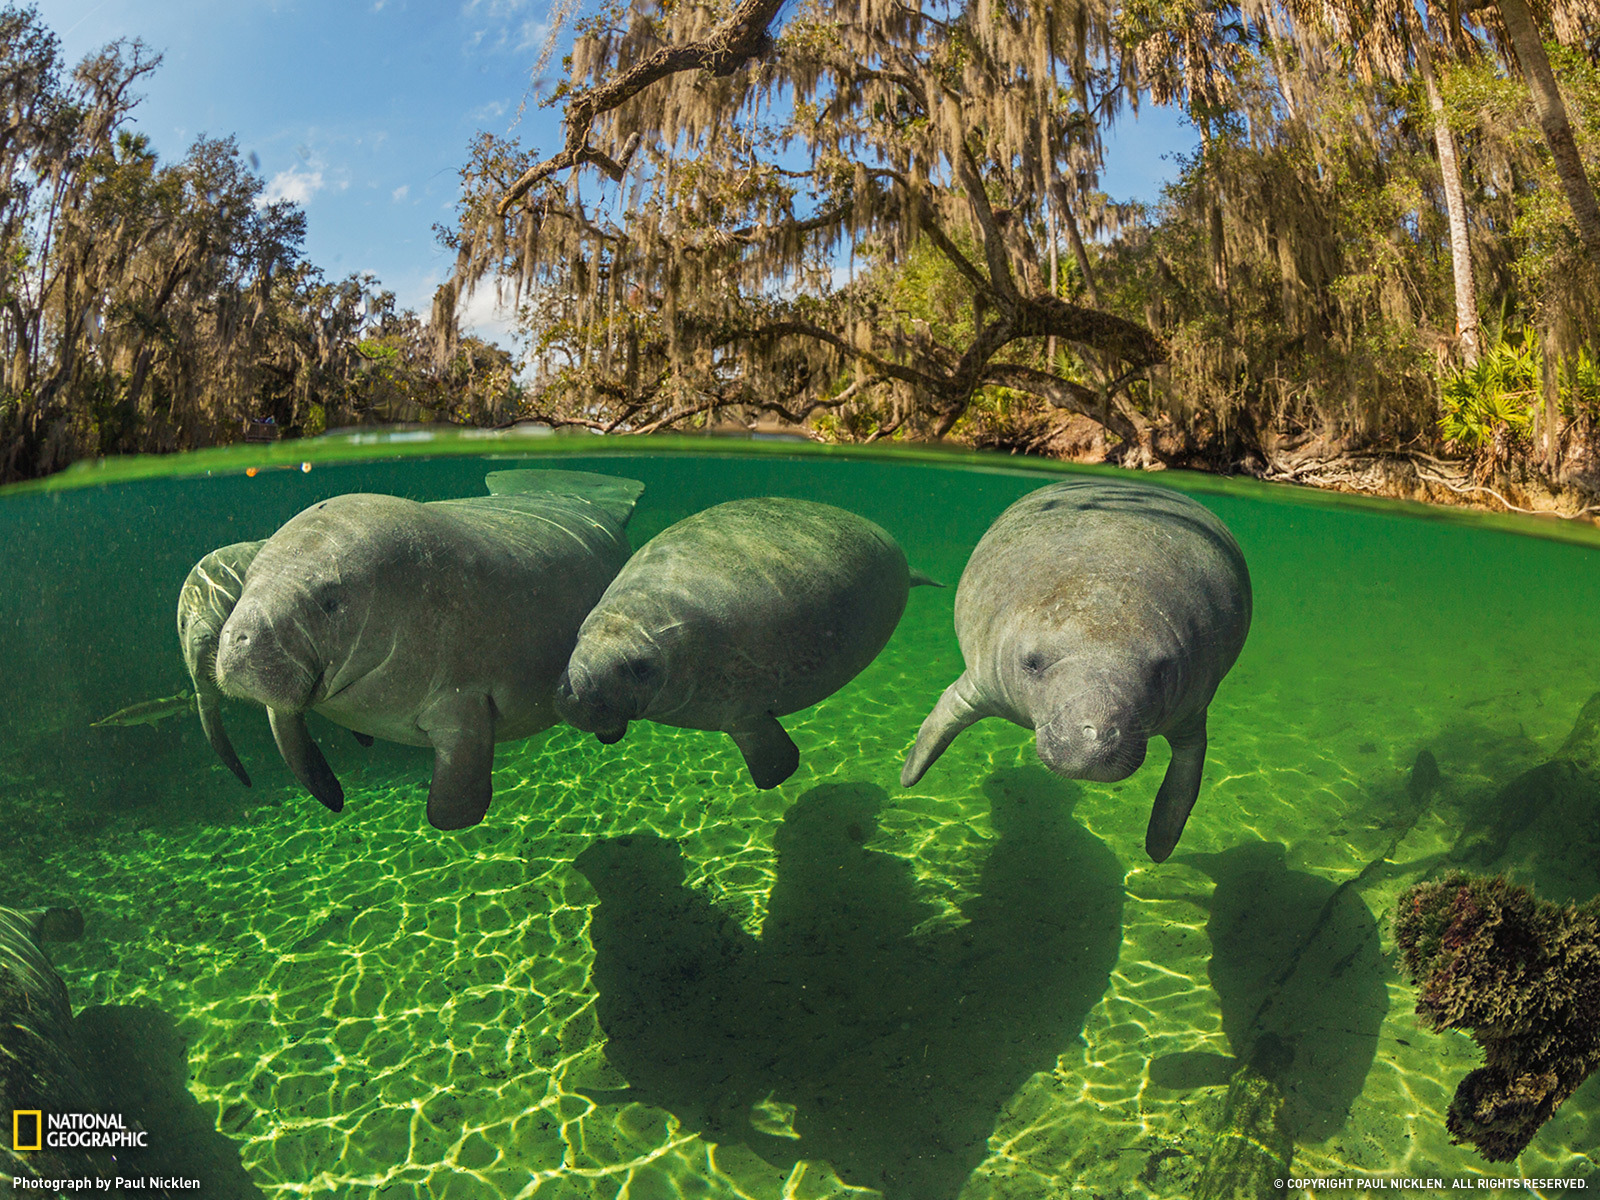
x,y
1090,732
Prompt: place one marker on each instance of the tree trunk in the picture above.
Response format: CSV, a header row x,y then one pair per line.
x,y
1553,120
1550,386
1219,247
1455,204
1075,237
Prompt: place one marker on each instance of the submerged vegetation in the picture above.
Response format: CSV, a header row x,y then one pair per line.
x,y
1522,976
1379,269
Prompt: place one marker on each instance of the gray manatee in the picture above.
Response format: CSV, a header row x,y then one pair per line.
x,y
735,617
204,605
443,624
1099,613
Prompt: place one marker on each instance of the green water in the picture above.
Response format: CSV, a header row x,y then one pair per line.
x,y
642,979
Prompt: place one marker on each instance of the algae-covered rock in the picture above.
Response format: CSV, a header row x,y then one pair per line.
x,y
1522,976
1251,1153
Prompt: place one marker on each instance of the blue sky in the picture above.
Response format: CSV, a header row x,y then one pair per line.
x,y
362,111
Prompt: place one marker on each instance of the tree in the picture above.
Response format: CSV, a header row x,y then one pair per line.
x,y
1528,46
732,174
1391,39
149,305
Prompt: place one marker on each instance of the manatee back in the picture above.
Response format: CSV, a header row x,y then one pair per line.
x,y
1096,546
611,494
771,604
1121,563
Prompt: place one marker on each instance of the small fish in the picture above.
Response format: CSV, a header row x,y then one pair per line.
x,y
149,712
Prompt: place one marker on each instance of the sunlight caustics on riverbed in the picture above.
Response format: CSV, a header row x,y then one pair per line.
x,y
641,977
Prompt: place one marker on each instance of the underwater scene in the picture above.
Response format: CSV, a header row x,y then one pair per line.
x,y
639,975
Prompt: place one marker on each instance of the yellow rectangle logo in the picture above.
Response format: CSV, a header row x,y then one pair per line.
x,y
21,1117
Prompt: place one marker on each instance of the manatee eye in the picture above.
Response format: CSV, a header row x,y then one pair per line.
x,y
1033,662
328,598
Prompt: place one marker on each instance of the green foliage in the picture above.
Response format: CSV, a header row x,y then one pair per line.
x,y
150,305
1493,399
1580,385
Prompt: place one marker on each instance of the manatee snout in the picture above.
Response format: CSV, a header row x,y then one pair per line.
x,y
1102,749
584,703
255,663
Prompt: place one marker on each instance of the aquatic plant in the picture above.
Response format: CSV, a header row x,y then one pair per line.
x,y
1522,975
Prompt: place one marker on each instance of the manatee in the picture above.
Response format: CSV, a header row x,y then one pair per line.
x,y
1100,614
204,605
443,624
735,617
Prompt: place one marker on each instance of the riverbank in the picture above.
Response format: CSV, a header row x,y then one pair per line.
x,y
1509,483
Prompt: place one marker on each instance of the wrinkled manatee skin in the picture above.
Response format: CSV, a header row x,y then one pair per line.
x,y
736,616
204,605
1098,613
443,624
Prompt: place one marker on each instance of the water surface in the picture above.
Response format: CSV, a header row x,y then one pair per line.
x,y
642,978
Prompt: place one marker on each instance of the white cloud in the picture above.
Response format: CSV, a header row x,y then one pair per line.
x,y
506,25
294,185
400,193
482,314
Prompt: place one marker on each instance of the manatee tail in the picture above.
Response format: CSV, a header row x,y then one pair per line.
x,y
611,494
1179,789
949,717
918,579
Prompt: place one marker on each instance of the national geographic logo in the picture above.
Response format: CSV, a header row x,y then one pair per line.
x,y
27,1129
32,1129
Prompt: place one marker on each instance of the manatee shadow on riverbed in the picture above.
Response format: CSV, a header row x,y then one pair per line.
x,y
1297,968
897,1050
1542,822
139,1066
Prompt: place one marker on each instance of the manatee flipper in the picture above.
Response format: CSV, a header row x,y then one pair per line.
x,y
1179,788
461,728
770,754
918,579
949,717
304,758
364,740
208,702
